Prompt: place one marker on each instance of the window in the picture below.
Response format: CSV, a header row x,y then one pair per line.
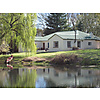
x,y
79,73
48,70
43,70
55,44
56,74
89,43
48,45
69,74
89,72
69,44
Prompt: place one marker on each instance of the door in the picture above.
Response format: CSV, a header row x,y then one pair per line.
x,y
79,44
43,46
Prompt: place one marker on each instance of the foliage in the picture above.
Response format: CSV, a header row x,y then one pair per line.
x,y
18,28
4,47
39,32
75,48
89,22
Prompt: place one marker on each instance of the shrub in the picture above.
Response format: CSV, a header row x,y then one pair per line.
x,y
66,59
75,48
4,48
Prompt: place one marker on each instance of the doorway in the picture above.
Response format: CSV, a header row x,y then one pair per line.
x,y
43,46
79,44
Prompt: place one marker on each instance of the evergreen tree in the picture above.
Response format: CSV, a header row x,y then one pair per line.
x,y
80,26
56,22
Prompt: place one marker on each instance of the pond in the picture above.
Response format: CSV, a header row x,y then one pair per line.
x,y
49,78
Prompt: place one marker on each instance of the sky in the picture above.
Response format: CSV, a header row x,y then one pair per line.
x,y
54,6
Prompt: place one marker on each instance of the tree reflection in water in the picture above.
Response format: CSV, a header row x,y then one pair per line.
x,y
26,80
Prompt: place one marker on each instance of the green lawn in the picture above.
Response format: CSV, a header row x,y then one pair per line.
x,y
91,56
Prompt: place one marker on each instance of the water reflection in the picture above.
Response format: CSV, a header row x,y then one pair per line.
x,y
50,77
41,82
18,78
71,78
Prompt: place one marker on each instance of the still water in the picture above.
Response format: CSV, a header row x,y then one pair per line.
x,y
50,78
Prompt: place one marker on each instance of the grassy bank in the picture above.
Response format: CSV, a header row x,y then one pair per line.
x,y
90,56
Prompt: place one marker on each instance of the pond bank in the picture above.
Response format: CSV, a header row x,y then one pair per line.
x,y
82,57
67,60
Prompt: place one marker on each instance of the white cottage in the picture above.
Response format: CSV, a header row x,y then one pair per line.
x,y
61,41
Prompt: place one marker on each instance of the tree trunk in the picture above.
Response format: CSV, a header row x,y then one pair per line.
x,y
75,37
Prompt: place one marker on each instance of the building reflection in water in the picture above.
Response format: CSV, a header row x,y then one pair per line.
x,y
78,78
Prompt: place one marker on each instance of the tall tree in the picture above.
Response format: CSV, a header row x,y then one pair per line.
x,y
18,28
41,22
89,22
56,22
73,19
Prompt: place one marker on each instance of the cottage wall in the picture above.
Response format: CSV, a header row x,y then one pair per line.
x,y
46,44
98,44
60,43
63,44
39,44
86,46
